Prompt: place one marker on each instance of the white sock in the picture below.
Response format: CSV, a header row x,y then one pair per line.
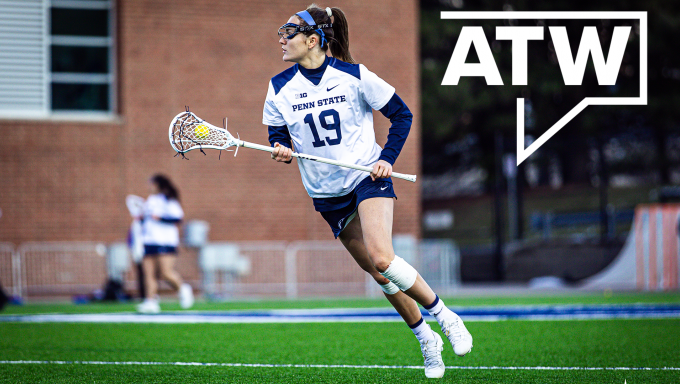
x,y
422,331
439,311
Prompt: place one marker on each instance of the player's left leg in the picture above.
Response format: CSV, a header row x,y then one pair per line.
x,y
352,238
168,272
376,215
166,263
430,342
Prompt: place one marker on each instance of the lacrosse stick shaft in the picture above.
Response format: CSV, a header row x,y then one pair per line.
x,y
403,176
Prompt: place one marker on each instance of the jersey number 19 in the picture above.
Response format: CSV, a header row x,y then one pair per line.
x,y
335,126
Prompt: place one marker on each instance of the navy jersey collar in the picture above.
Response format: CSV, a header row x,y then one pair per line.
x,y
314,72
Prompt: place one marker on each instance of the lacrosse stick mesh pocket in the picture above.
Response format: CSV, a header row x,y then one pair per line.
x,y
190,132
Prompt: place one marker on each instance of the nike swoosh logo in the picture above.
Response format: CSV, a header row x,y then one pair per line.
x,y
383,188
329,89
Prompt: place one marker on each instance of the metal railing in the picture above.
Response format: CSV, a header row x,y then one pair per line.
x,y
275,269
61,268
322,268
10,275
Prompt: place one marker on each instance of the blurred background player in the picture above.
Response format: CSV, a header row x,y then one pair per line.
x,y
3,298
135,205
323,106
161,215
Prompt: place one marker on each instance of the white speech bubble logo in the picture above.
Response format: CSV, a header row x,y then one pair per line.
x,y
572,68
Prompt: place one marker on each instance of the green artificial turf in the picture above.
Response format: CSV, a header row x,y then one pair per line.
x,y
595,343
143,374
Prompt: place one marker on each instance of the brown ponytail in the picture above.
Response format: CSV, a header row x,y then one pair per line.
x,y
337,36
340,43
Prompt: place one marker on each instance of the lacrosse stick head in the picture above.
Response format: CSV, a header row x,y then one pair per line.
x,y
135,205
188,131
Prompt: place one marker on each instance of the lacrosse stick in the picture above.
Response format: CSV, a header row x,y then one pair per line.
x,y
188,132
135,205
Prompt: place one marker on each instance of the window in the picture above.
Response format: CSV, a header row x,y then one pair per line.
x,y
57,57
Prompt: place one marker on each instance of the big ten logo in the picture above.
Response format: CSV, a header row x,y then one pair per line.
x,y
572,67
300,95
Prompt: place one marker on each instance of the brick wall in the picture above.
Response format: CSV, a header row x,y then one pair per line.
x,y
68,180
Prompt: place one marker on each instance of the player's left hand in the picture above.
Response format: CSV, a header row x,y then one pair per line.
x,y
381,169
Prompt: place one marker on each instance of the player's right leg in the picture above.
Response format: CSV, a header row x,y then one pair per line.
x,y
430,342
150,303
149,265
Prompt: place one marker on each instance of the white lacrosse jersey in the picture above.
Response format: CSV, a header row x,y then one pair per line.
x,y
333,119
161,232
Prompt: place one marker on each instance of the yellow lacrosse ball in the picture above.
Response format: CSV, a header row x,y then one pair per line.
x,y
201,131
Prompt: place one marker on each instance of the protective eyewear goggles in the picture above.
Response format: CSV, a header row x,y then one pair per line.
x,y
289,30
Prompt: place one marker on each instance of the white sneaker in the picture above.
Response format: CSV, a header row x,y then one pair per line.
x,y
458,335
149,306
186,296
432,353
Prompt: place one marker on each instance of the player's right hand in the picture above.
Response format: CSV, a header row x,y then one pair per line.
x,y
282,153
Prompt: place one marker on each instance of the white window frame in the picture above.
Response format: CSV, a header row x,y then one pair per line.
x,y
109,78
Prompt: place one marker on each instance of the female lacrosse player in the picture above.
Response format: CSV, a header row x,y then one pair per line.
x,y
162,213
323,106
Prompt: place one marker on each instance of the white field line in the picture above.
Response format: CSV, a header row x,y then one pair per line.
x,y
336,366
363,315
190,318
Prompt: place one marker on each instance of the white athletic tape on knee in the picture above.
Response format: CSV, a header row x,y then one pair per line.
x,y
389,288
401,273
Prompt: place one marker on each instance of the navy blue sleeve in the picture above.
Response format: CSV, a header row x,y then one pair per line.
x,y
280,135
401,118
169,220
